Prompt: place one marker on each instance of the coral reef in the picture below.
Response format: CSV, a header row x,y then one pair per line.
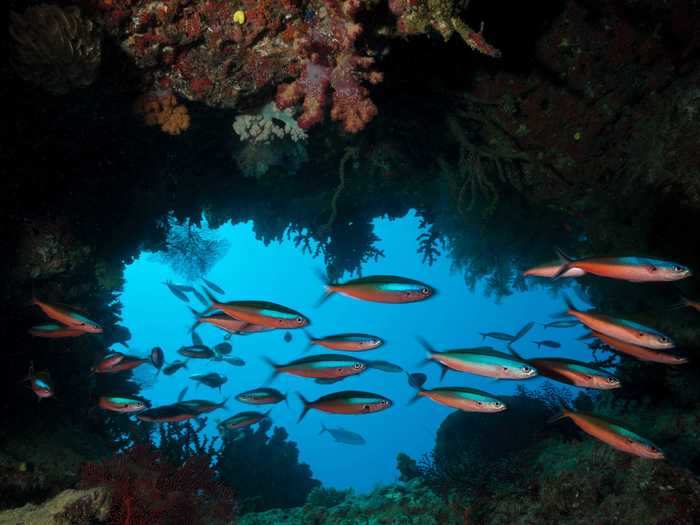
x,y
161,109
145,489
268,124
55,48
263,469
70,507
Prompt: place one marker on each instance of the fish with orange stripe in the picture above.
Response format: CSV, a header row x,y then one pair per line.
x,y
640,352
351,342
265,313
68,318
347,402
380,289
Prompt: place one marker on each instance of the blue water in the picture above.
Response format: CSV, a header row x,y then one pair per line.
x,y
281,273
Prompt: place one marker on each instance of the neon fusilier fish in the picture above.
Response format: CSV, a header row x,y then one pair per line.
x,y
575,373
262,313
212,286
201,406
40,383
381,289
177,291
197,352
627,331
262,396
123,404
157,357
351,342
113,364
550,270
612,433
483,361
212,379
560,324
242,420
341,435
108,362
461,398
228,324
167,414
173,367
633,269
234,361
55,331
640,352
547,343
324,366
68,318
501,336
347,402
223,348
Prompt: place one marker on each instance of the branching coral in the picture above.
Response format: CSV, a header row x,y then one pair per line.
x,y
146,489
269,124
330,60
55,48
161,109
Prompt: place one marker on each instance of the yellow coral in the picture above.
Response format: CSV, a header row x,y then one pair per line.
x,y
239,17
162,110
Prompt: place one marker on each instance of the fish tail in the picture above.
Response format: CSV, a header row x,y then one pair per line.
x,y
286,398
443,371
213,300
275,369
416,397
224,401
327,293
323,429
307,406
311,340
425,344
483,335
566,263
196,315
563,414
570,309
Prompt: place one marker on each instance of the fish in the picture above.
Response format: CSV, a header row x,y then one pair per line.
x,y
40,383
212,379
287,337
501,336
212,286
223,348
547,343
351,342
483,361
262,313
575,373
176,291
347,402
633,269
550,269
55,331
197,352
384,366
622,329
242,420
612,433
174,367
262,396
560,324
685,302
521,333
200,297
381,289
201,406
323,366
196,339
123,404
157,357
234,361
341,435
167,414
228,324
108,361
68,318
640,352
118,362
461,398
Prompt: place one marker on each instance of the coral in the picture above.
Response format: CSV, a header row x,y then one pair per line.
x,y
161,109
70,507
327,497
269,124
146,489
257,160
331,61
407,467
55,48
264,470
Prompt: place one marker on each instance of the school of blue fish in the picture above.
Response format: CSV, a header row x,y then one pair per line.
x,y
248,317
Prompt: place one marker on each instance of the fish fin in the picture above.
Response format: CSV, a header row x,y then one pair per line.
x,y
267,412
213,300
286,398
516,354
212,286
587,335
483,335
443,371
311,340
327,293
275,370
566,313
425,344
307,406
323,429
183,392
566,263
565,412
224,401
415,398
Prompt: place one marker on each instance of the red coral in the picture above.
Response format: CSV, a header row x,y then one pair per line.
x,y
146,490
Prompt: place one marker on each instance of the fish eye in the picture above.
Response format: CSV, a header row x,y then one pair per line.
x,y
479,403
677,268
425,291
497,404
357,366
612,380
640,334
505,368
299,320
365,407
527,369
663,339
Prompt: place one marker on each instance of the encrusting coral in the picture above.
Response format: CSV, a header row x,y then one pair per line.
x,y
55,48
161,109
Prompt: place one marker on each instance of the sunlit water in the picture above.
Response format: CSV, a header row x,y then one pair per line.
x,y
281,273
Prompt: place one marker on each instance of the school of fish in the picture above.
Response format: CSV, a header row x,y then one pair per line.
x,y
247,317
